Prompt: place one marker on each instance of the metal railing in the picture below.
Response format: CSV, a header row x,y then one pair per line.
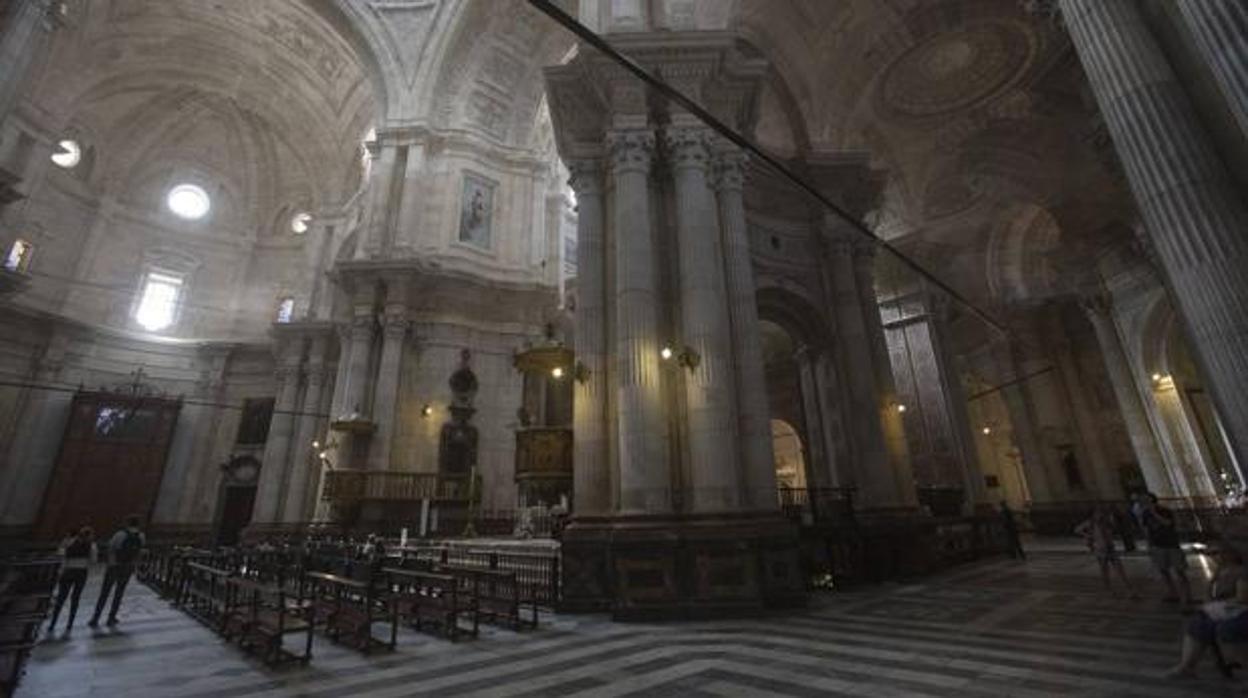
x,y
390,485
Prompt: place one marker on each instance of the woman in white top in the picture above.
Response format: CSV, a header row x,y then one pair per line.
x,y
78,554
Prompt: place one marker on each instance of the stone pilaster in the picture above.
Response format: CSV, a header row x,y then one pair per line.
x,y
1100,312
714,468
820,470
304,462
22,27
31,456
591,460
1041,487
363,328
281,431
1194,214
753,419
1220,30
386,388
378,232
644,475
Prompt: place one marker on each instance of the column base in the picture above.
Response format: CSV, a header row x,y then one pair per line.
x,y
662,567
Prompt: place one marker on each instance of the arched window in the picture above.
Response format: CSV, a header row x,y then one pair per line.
x,y
285,309
68,155
188,201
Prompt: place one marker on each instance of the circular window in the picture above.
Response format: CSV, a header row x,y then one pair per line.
x,y
299,223
69,155
188,201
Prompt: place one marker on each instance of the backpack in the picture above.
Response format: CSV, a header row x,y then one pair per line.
x,y
129,549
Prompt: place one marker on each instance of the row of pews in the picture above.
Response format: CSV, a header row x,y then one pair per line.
x,y
26,588
271,601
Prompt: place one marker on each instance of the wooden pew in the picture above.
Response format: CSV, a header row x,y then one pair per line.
x,y
500,597
348,608
204,594
25,597
440,599
262,615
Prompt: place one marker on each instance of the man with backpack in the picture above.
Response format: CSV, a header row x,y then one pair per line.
x,y
123,552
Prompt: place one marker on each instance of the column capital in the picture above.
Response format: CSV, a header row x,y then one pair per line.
x,y
586,176
688,148
630,150
729,169
362,326
395,325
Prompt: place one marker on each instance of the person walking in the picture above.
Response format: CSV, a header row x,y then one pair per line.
x,y
78,553
1099,532
1167,555
123,550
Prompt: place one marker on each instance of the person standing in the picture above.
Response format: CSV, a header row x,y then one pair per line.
x,y
78,553
1164,549
1013,544
123,550
1099,531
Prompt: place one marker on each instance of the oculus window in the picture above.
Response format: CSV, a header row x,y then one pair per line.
x,y
18,258
299,223
188,201
68,154
158,305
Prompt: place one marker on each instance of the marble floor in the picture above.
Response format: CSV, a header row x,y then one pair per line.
x,y
999,628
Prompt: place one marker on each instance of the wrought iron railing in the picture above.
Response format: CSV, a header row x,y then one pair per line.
x,y
358,485
817,504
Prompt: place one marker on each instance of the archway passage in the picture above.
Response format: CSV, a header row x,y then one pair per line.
x,y
786,446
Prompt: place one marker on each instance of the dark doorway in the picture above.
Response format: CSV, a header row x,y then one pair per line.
x,y
235,513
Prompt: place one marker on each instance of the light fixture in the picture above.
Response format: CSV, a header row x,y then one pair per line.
x,y
666,353
556,372
580,372
1156,377
426,410
688,358
299,223
987,430
901,408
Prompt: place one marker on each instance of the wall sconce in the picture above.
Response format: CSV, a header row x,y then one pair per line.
x,y
688,358
426,410
556,372
901,407
324,450
987,430
1156,377
580,372
666,353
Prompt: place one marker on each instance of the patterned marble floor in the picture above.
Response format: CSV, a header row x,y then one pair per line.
x,y
1001,628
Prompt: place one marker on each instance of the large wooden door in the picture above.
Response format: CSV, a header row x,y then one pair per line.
x,y
110,464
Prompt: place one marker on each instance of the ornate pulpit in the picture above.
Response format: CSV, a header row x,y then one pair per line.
x,y
544,437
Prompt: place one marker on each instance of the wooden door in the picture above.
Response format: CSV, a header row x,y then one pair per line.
x,y
110,464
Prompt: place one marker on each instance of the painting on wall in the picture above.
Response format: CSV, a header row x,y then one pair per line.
x,y
476,209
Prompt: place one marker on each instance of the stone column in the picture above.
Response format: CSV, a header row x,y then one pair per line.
x,y
22,29
363,326
32,455
1023,425
644,476
1194,214
714,469
281,430
873,471
939,314
1099,310
820,469
591,477
1220,30
386,392
295,496
753,416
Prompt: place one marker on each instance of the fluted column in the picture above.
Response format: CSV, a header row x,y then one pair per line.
x,y
591,478
386,393
873,471
1040,484
890,421
1220,29
281,430
303,463
753,416
1099,310
714,467
954,395
819,469
363,327
644,476
1194,214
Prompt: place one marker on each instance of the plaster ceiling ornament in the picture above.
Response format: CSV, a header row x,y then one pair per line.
x,y
955,70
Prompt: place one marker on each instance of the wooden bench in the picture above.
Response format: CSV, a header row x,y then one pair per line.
x,y
440,599
25,597
348,608
262,615
500,597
